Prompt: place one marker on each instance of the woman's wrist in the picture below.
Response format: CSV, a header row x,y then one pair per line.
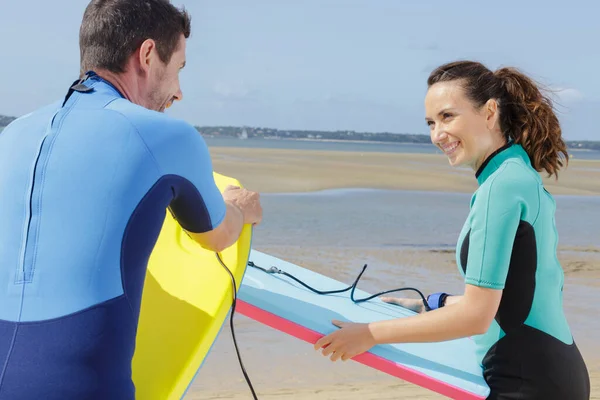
x,y
437,300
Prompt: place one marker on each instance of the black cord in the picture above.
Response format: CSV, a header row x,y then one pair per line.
x,y
352,288
234,290
275,270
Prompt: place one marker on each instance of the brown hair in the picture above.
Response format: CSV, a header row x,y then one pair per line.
x,y
111,30
526,116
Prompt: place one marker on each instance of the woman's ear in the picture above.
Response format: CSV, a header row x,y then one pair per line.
x,y
492,114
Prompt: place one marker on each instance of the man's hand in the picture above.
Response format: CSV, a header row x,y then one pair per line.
x,y
243,207
248,202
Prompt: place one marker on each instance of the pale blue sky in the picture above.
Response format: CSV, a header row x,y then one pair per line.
x,y
325,64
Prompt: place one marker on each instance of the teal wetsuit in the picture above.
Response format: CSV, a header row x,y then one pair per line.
x,y
509,242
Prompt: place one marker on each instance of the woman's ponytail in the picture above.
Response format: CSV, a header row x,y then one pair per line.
x,y
527,116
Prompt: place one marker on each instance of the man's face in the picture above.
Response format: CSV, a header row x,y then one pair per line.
x,y
164,86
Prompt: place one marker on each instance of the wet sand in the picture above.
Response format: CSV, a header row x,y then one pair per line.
x,y
282,367
277,170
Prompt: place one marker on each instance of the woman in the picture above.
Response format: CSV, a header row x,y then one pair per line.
x,y
500,125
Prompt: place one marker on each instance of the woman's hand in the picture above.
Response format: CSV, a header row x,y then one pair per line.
x,y
415,305
351,340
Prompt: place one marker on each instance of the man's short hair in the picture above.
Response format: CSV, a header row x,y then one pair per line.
x,y
112,30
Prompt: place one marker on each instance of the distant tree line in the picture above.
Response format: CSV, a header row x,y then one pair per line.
x,y
262,133
583,144
4,121
268,133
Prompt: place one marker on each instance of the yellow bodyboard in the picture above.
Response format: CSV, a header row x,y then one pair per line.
x,y
187,296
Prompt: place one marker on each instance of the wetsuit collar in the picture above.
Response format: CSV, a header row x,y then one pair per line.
x,y
93,77
91,82
493,162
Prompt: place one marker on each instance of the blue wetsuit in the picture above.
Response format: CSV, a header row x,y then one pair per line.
x,y
84,187
509,242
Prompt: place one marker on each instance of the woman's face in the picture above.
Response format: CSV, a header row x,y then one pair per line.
x,y
466,135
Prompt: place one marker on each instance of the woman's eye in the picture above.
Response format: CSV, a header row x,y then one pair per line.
x,y
446,115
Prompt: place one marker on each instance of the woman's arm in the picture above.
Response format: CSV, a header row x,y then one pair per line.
x,y
417,305
470,314
452,299
497,212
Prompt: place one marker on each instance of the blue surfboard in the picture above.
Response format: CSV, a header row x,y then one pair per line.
x,y
449,368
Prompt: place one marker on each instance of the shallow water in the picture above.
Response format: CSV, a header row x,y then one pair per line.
x,y
425,148
388,218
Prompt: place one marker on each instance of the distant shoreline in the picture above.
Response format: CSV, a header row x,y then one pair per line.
x,y
341,136
367,141
342,141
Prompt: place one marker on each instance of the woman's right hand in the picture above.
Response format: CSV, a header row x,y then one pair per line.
x,y
415,305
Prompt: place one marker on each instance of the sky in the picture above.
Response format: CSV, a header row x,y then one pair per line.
x,y
357,65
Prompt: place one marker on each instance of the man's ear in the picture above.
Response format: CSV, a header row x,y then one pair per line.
x,y
146,56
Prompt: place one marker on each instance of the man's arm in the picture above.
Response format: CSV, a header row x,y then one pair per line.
x,y
242,207
223,235
212,219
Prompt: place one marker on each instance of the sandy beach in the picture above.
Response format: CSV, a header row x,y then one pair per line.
x,y
278,170
282,367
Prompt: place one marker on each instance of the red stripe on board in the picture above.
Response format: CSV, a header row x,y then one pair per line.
x,y
369,359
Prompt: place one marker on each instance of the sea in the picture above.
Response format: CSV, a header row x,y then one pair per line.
x,y
353,146
384,218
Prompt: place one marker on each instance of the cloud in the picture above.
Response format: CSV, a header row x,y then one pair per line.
x,y
342,100
566,100
428,69
232,90
568,95
417,43
424,46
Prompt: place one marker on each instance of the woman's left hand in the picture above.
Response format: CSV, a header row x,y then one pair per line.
x,y
349,341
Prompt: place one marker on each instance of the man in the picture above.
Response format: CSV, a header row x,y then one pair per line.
x,y
84,184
